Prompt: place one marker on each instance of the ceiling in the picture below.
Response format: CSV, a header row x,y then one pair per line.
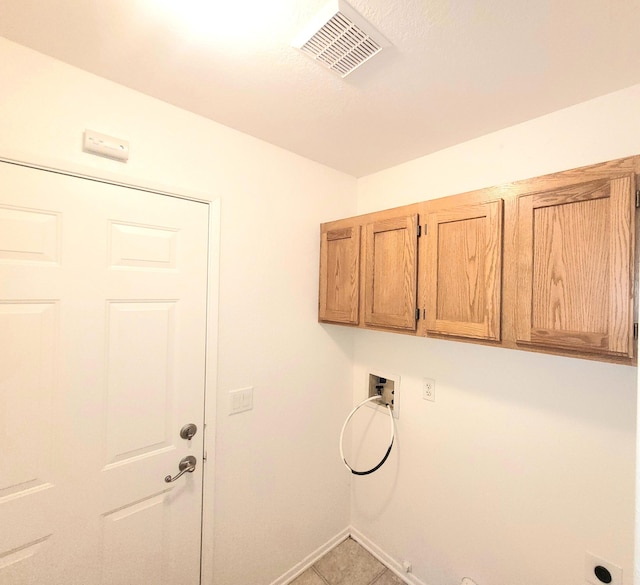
x,y
455,70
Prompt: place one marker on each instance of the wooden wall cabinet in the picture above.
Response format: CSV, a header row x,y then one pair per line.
x,y
391,272
340,274
545,264
575,267
463,277
368,271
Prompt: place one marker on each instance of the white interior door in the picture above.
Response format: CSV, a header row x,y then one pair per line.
x,y
102,353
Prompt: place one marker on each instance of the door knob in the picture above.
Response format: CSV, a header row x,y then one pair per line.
x,y
188,431
186,465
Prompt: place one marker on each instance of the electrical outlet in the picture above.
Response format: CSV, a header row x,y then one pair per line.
x,y
429,389
598,571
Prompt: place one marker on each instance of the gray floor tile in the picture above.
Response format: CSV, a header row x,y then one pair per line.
x,y
349,564
309,577
388,578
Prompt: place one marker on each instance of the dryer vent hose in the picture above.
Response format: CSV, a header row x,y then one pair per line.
x,y
391,436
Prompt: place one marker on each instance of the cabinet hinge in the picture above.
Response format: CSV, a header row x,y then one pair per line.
x,y
635,331
638,198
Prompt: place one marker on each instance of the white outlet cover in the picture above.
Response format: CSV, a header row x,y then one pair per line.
x,y
592,561
429,389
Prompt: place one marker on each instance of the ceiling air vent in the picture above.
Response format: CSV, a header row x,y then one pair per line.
x,y
340,39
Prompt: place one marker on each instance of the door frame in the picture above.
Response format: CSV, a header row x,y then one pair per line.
x,y
211,341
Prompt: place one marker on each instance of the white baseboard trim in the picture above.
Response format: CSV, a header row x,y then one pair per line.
x,y
303,565
393,565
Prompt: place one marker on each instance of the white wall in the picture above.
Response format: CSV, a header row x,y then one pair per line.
x,y
525,461
281,491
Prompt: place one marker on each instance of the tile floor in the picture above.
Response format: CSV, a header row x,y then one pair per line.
x,y
347,564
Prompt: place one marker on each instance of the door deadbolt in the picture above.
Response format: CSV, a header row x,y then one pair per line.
x,y
188,431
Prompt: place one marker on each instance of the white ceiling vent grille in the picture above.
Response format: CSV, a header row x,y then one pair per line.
x,y
340,39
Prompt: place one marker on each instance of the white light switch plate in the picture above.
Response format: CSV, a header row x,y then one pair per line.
x,y
240,400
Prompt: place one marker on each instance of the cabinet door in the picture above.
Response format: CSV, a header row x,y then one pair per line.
x,y
575,268
391,267
464,270
340,275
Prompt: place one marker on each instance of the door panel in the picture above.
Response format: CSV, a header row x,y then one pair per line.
x,y
29,235
142,246
102,330
134,532
139,356
27,336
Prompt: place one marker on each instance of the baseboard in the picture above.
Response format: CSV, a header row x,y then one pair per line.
x,y
303,565
393,565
